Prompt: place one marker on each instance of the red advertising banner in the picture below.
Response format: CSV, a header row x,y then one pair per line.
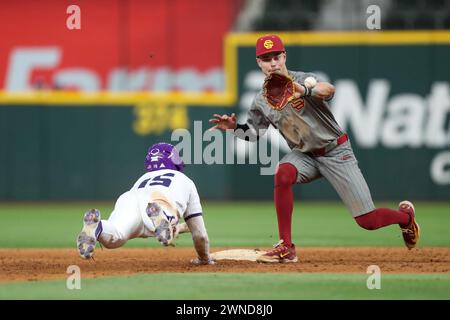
x,y
114,45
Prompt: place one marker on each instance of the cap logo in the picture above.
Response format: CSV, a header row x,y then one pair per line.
x,y
268,44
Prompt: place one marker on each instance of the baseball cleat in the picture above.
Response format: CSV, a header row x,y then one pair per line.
x,y
280,253
164,231
411,232
87,239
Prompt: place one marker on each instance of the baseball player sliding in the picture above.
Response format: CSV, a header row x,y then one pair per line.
x,y
319,148
151,208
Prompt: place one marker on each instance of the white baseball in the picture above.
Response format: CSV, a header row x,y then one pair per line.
x,y
310,82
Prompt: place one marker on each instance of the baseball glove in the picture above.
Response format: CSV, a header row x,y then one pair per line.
x,y
278,90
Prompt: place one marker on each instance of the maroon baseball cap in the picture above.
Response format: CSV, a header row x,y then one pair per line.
x,y
267,44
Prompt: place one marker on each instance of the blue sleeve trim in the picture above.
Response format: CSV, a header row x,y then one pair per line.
x,y
193,216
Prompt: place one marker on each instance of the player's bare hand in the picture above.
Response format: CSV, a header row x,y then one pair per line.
x,y
199,262
223,122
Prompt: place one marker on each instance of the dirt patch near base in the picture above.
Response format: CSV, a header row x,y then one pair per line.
x,y
45,264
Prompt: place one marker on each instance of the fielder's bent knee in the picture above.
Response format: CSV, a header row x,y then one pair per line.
x,y
286,175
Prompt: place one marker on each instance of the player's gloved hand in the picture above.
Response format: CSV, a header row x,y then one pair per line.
x,y
198,262
279,90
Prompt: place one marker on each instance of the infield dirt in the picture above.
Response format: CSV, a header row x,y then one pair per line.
x,y
46,264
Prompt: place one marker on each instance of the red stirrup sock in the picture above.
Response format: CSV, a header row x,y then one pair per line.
x,y
382,217
285,177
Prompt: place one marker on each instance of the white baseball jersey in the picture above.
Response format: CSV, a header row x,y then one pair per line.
x,y
129,218
172,186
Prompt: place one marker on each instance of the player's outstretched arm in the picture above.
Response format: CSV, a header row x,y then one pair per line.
x,y
223,122
201,240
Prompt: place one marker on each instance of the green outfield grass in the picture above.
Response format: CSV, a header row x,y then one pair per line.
x,y
232,286
234,224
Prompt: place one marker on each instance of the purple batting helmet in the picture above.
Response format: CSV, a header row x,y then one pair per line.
x,y
163,156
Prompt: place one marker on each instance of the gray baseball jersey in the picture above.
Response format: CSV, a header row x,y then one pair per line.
x,y
308,125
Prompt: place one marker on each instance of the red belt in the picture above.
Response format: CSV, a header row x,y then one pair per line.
x,y
323,151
